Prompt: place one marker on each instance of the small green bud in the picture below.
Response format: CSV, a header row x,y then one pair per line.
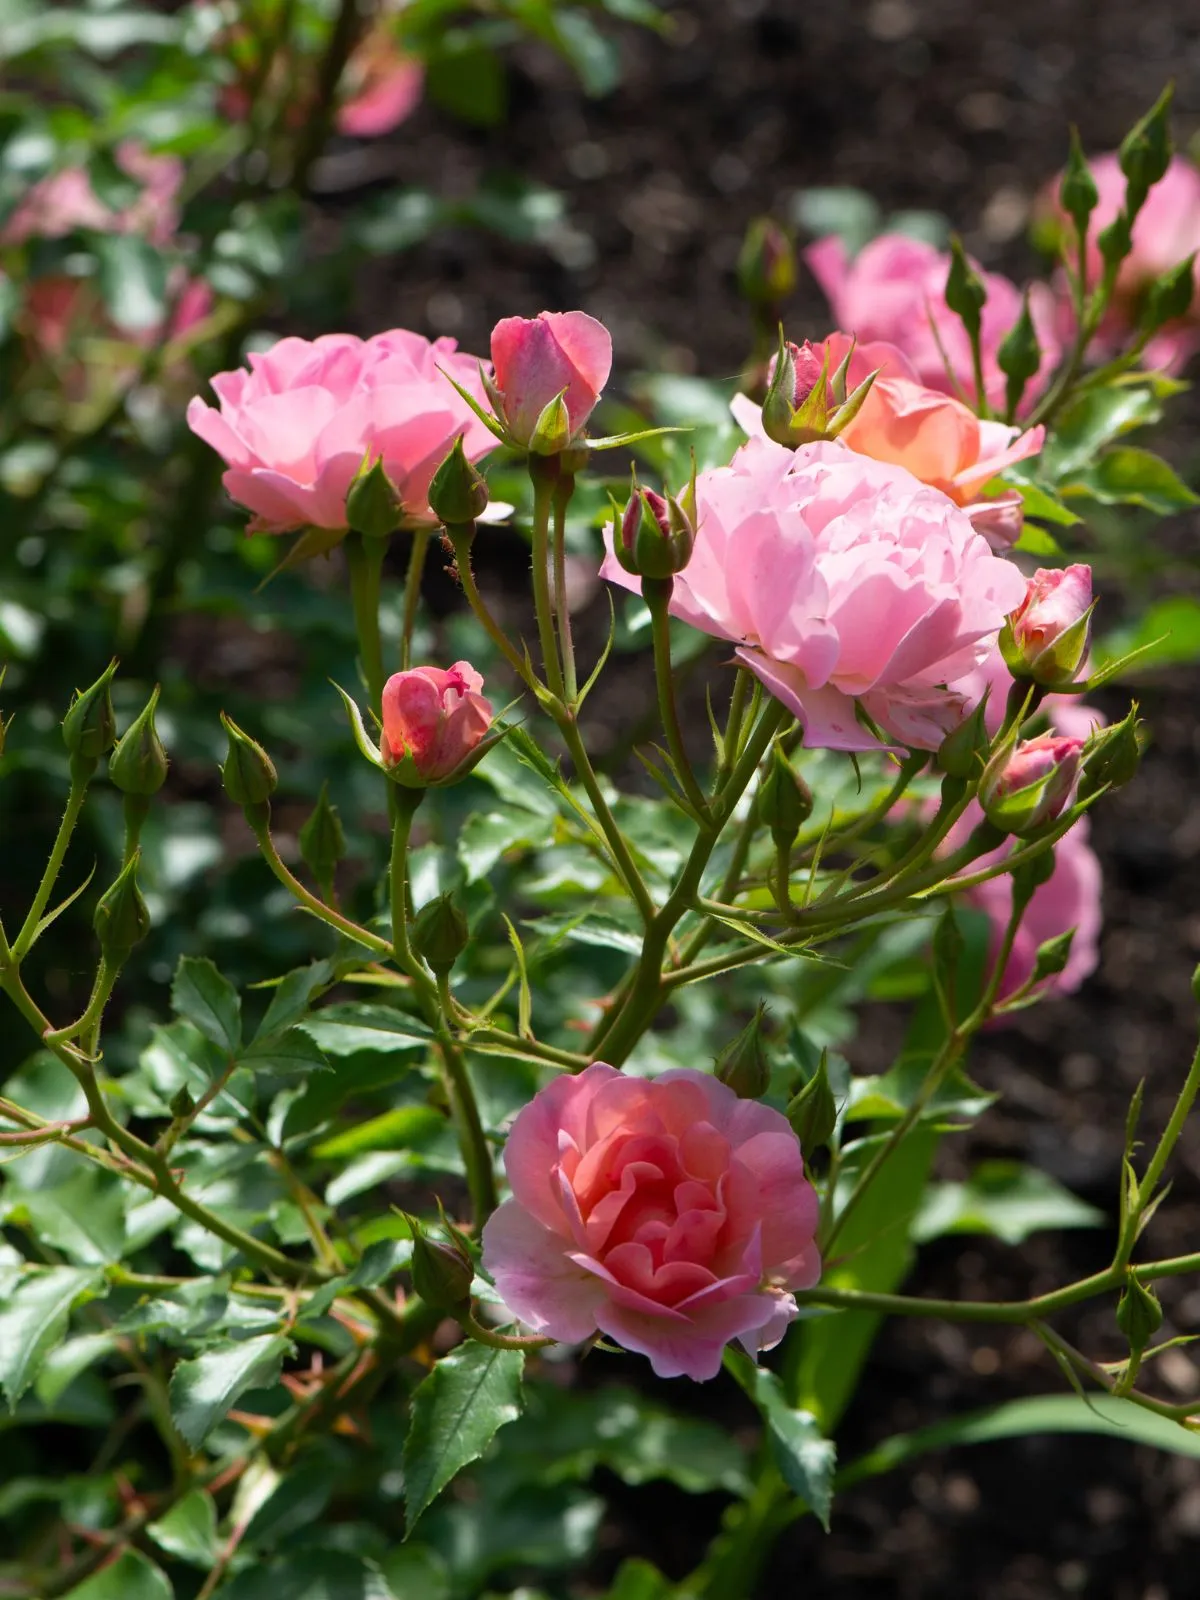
x,y
440,934
121,919
766,268
965,291
458,493
963,753
90,726
441,1273
1019,356
552,431
1170,296
1145,152
1053,955
249,773
785,801
1111,756
373,507
743,1065
813,1112
1115,242
1139,1315
138,765
1078,194
181,1103
322,840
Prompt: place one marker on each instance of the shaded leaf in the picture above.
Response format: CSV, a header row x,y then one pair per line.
x,y
132,1576
188,1531
33,1320
803,1455
208,1001
1005,1198
456,1412
203,1390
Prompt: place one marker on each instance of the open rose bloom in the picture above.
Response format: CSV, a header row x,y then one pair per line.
x,y
295,429
894,290
666,1213
844,583
936,437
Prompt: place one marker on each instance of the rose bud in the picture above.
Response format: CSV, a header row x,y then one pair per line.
x,y
743,1065
441,1273
766,268
537,361
121,919
796,406
138,765
1046,637
655,534
433,722
90,725
440,934
248,773
1033,786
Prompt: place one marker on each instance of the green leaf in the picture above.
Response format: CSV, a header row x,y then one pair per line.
x,y
638,1580
486,836
594,58
404,1128
1134,477
297,1502
1004,1198
889,1096
1018,1419
292,996
415,1572
84,1217
802,1453
203,1390
468,79
342,1030
1171,630
33,1320
1093,421
133,281
310,1575
189,1530
208,1001
1045,505
1037,541
590,927
293,1052
456,1412
130,1577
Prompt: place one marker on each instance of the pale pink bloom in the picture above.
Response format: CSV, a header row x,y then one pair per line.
x,y
58,204
387,92
894,290
537,358
1035,785
1165,232
1046,625
936,437
844,582
1070,898
295,429
665,1213
433,720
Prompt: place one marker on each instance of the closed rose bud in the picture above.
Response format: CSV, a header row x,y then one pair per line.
x,y
743,1065
1032,786
138,765
1046,638
433,722
1112,756
537,361
90,725
797,403
121,919
372,505
1139,1315
248,772
440,934
963,751
656,535
766,268
785,801
813,1112
441,1273
323,841
458,493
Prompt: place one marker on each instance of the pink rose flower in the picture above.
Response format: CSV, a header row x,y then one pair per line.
x,y
432,721
665,1213
537,358
64,201
844,583
295,429
937,438
1047,635
1165,232
387,87
1070,898
1034,786
894,290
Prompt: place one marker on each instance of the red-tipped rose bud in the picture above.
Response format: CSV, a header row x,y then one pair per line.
x,y
798,399
766,266
433,722
1046,637
655,535
537,361
1032,786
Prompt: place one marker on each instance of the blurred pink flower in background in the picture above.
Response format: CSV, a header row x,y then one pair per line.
x,y
894,291
936,437
65,200
384,88
432,720
666,1213
295,429
844,582
1165,232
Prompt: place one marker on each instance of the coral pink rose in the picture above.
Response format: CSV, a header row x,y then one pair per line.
x,y
64,201
296,428
937,438
666,1213
432,721
894,291
538,358
845,583
1070,898
1165,232
1047,635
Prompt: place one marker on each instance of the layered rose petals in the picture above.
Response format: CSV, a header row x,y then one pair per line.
x,y
433,720
538,358
666,1213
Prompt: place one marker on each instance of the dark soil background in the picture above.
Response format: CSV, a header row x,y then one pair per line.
x,y
961,108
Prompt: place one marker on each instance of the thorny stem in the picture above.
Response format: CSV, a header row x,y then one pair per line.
x,y
657,595
543,471
1170,1135
412,592
364,558
23,943
310,902
563,491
